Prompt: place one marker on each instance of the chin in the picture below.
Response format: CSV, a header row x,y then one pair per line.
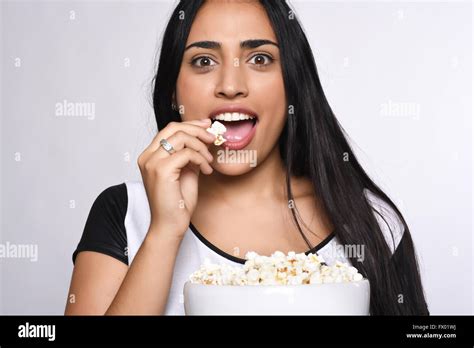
x,y
234,162
233,169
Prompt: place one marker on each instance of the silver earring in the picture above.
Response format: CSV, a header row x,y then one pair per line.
x,y
174,107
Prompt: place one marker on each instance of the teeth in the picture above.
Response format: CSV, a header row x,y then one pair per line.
x,y
235,116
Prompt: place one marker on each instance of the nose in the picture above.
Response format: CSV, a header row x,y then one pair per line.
x,y
232,83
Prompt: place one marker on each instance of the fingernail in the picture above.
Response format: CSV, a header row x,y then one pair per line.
x,y
204,120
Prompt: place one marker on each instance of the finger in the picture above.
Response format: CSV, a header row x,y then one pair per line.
x,y
180,140
185,156
195,128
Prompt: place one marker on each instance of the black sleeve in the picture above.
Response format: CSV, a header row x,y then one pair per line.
x,y
104,231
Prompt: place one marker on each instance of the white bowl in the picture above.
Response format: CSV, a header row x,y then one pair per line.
x,y
351,298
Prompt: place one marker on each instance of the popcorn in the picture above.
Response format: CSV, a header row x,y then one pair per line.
x,y
277,269
218,129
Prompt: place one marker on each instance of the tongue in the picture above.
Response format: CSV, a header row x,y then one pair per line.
x,y
237,130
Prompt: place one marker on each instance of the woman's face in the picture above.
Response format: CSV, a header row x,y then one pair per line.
x,y
228,67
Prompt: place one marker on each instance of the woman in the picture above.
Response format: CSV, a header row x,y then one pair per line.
x,y
306,192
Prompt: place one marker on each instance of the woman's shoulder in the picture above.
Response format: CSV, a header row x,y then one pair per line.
x,y
123,196
113,194
104,230
111,202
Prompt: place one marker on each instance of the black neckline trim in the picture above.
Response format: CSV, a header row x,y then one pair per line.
x,y
242,261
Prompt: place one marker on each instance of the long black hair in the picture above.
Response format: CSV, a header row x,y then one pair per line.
x,y
314,145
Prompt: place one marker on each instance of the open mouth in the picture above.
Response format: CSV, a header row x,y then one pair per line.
x,y
240,128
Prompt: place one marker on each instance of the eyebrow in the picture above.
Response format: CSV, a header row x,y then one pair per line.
x,y
248,44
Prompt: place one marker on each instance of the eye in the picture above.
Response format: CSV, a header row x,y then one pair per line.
x,y
204,62
261,58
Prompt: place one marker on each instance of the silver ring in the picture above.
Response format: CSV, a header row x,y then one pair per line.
x,y
167,146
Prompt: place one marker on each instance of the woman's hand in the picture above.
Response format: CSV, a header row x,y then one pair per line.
x,y
171,180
